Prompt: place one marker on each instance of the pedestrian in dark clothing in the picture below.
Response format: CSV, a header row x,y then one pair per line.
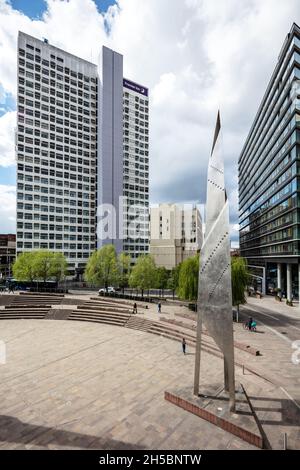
x,y
250,323
183,345
134,308
159,307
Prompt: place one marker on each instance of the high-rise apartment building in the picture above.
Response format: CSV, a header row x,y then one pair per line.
x,y
124,156
56,151
74,150
269,179
175,234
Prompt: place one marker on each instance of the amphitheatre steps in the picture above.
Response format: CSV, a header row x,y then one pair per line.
x,y
99,316
118,301
106,308
26,312
176,334
39,294
35,299
137,323
192,327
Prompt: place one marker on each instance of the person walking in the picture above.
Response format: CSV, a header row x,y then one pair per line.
x,y
183,345
134,308
250,323
159,307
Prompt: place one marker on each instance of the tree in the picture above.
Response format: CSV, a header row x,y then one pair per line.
x,y
43,264
24,268
239,281
188,279
143,275
101,268
174,279
162,277
40,264
124,269
59,266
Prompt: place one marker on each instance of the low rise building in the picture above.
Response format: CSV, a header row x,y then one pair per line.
x,y
7,254
175,234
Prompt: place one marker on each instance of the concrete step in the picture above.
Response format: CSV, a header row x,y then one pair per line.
x,y
107,321
136,323
118,301
25,310
92,315
100,313
39,294
178,333
27,300
108,308
27,307
18,316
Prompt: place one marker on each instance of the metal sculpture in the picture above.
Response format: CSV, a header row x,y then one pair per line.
x,y
214,289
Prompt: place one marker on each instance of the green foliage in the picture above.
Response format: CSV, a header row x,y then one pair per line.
x,y
59,266
188,279
124,269
102,268
174,278
23,267
162,277
239,280
43,263
39,265
144,273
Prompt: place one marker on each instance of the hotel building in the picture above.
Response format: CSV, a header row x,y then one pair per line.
x,y
124,156
79,141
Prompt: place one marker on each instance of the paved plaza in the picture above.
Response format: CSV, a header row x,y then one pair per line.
x,y
75,385
80,385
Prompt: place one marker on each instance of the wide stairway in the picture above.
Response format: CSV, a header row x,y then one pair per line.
x,y
33,312
36,299
116,312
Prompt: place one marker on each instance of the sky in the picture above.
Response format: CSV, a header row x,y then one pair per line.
x,y
196,56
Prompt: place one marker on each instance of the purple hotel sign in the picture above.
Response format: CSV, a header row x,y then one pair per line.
x,y
135,87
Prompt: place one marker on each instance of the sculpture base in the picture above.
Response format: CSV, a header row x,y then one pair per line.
x,y
213,406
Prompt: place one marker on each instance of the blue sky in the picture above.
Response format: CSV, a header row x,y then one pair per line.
x,y
35,8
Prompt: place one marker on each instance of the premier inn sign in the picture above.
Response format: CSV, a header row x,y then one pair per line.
x,y
135,87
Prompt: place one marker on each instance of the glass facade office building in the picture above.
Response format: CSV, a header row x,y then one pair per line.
x,y
269,179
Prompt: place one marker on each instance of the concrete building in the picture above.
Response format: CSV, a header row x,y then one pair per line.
x,y
175,234
123,173
56,151
7,254
269,179
79,141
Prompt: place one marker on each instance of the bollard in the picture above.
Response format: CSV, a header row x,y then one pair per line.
x,y
285,441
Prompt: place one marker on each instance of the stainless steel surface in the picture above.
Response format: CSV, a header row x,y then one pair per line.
x,y
214,290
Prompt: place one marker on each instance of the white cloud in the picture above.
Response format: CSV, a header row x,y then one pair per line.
x,y
7,138
194,55
7,208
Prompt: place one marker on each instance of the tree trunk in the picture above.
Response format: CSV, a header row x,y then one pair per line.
x,y
237,313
